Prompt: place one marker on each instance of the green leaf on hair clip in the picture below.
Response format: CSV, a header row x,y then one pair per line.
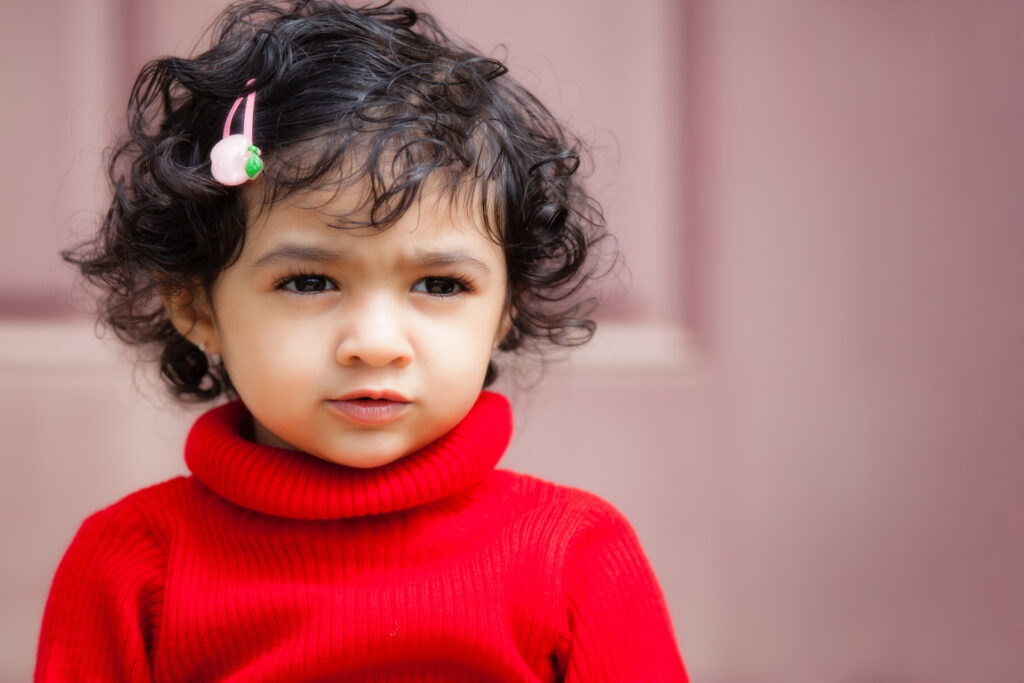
x,y
254,164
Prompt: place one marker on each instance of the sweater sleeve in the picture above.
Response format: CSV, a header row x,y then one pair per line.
x,y
620,628
104,603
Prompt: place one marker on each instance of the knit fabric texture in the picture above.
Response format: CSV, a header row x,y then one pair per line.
x,y
272,565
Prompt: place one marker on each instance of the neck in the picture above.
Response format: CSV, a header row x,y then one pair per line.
x,y
297,485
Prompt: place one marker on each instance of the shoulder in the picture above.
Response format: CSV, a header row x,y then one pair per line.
x,y
129,540
122,548
108,588
577,511
151,497
142,512
545,492
616,621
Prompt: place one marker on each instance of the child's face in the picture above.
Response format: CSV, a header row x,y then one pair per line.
x,y
315,324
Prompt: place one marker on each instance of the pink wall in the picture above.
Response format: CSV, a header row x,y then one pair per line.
x,y
827,193
859,256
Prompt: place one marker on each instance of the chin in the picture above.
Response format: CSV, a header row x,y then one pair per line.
x,y
363,458
367,462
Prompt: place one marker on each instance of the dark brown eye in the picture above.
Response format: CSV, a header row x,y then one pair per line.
x,y
438,286
306,284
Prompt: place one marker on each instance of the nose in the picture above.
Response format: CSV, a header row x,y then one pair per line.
x,y
374,334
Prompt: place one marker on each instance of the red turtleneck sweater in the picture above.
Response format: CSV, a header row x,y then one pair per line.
x,y
272,565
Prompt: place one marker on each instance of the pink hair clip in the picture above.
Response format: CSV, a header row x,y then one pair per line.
x,y
235,159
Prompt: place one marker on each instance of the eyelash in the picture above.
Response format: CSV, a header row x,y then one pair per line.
x,y
465,285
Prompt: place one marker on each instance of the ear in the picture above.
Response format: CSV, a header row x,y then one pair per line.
x,y
505,325
192,315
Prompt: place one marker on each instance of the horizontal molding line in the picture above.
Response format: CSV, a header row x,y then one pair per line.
x,y
58,345
73,346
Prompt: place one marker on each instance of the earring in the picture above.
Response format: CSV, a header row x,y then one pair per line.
x,y
202,347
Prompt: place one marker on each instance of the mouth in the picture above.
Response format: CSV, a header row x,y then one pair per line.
x,y
371,406
373,395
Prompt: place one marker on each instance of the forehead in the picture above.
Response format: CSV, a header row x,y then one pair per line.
x,y
374,180
333,218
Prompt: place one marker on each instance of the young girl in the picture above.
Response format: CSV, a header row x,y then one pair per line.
x,y
334,218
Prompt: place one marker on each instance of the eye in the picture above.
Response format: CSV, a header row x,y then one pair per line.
x,y
441,286
306,284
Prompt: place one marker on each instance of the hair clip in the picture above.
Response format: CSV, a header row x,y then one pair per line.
x,y
235,159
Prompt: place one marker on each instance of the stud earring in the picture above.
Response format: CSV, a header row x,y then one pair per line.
x,y
202,347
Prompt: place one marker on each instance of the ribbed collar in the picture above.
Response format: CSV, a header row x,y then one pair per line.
x,y
292,484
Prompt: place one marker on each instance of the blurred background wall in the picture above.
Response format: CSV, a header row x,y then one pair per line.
x,y
810,400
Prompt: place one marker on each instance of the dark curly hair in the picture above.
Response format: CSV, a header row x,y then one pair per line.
x,y
378,94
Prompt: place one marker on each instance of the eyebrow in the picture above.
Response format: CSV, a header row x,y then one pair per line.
x,y
428,259
298,252
434,259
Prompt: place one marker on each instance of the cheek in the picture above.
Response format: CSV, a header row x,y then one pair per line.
x,y
461,346
261,354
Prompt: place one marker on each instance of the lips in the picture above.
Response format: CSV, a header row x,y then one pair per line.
x,y
371,406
